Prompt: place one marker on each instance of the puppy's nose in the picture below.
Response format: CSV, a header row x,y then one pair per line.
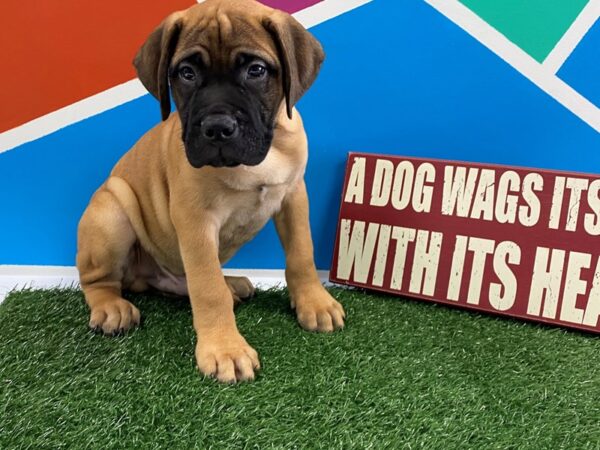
x,y
219,127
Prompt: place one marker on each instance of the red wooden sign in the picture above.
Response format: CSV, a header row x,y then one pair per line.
x,y
504,240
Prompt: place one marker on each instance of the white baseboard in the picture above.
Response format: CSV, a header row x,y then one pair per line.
x,y
44,277
36,277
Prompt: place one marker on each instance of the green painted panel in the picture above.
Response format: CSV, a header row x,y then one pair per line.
x,y
534,25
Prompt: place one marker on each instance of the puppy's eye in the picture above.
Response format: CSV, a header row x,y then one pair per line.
x,y
187,73
256,71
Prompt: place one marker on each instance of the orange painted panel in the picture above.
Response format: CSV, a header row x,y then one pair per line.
x,y
57,52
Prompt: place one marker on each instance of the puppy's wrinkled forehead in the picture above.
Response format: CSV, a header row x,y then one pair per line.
x,y
221,31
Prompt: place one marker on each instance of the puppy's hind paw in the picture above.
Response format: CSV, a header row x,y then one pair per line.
x,y
241,288
114,317
319,311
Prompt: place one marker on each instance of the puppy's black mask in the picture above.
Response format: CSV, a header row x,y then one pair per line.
x,y
227,113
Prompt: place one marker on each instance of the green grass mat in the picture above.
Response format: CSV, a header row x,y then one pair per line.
x,y
403,374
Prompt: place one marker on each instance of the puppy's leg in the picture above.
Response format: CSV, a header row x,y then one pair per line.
x,y
315,308
241,288
105,238
221,351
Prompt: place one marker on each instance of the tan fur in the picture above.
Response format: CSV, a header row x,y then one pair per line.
x,y
158,222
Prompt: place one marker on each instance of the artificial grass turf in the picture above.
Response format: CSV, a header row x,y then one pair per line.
x,y
402,374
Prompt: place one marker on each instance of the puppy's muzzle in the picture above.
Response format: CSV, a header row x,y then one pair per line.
x,y
219,128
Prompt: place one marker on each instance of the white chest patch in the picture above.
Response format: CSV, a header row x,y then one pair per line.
x,y
251,212
260,192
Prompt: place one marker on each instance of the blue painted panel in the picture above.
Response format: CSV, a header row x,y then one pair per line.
x,y
399,78
46,184
582,69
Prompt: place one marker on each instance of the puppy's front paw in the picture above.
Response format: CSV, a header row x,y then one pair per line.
x,y
317,310
114,316
228,360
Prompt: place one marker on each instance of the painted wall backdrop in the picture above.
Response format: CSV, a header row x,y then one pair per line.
x,y
512,82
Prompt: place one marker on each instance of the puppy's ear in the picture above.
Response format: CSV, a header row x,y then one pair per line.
x,y
300,55
153,59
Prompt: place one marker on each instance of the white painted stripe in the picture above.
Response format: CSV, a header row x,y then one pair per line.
x,y
325,10
123,93
521,61
46,277
578,29
70,114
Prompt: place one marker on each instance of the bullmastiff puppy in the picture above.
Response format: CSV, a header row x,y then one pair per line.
x,y
206,179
